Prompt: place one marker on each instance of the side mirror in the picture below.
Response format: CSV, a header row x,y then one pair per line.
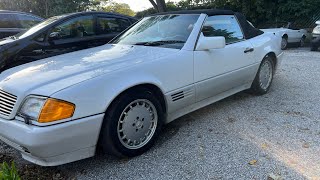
x,y
207,43
54,36
318,22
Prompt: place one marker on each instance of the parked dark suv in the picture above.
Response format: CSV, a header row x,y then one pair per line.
x,y
12,22
62,34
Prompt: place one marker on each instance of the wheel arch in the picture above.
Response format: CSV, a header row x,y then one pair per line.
x,y
147,85
285,36
273,57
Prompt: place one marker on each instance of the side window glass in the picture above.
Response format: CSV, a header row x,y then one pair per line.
x,y
27,21
223,25
7,21
41,37
79,27
111,25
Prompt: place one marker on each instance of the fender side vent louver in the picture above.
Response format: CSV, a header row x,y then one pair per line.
x,y
177,96
181,94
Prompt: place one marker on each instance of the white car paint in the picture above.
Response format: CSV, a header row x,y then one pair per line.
x,y
92,78
294,36
316,30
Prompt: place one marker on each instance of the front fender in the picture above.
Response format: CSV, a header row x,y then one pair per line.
x,y
95,95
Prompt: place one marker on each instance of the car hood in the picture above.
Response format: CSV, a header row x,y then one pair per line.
x,y
47,76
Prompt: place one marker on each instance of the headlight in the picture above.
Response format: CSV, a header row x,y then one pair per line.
x,y
46,110
32,107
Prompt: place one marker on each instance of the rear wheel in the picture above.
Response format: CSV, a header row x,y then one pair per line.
x,y
284,43
264,77
132,124
302,41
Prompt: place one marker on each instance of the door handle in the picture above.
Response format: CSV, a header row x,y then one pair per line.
x,y
248,50
38,51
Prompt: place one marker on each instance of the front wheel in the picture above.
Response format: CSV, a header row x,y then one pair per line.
x,y
264,77
132,124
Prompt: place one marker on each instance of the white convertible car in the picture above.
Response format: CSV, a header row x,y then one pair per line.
x,y
289,35
118,96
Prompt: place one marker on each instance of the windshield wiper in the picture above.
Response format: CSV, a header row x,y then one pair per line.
x,y
159,43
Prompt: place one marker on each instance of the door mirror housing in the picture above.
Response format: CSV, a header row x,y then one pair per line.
x,y
207,43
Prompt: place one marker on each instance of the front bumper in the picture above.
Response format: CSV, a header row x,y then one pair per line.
x,y
53,145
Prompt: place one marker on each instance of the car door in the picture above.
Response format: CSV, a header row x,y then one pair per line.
x,y
109,27
33,49
219,70
294,34
71,35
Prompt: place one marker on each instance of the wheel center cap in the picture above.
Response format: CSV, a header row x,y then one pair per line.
x,y
139,124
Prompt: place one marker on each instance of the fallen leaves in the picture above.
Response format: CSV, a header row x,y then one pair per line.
x,y
253,162
231,119
264,146
274,177
306,145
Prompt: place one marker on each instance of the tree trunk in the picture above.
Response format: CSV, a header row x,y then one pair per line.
x,y
154,4
159,5
47,9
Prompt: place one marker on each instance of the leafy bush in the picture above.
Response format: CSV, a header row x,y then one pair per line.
x,y
8,172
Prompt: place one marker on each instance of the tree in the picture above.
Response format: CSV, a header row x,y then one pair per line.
x,y
120,8
48,8
159,5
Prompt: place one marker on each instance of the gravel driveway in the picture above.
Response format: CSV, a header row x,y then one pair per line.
x,y
241,137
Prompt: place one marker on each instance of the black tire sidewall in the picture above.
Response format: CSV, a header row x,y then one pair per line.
x,y
109,136
302,41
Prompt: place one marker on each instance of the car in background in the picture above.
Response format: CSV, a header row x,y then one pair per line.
x,y
118,96
315,43
316,30
62,34
13,22
289,34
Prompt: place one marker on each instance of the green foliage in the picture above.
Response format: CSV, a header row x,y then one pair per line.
x,y
120,8
8,172
302,12
48,8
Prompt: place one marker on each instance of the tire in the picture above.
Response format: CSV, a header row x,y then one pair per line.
x,y
314,48
284,43
128,117
302,41
261,86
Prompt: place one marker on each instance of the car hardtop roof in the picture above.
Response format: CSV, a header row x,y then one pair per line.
x,y
248,30
19,12
95,12
209,12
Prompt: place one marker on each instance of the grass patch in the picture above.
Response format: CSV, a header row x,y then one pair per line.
x,y
8,172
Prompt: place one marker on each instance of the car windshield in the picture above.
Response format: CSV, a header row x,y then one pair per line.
x,y
168,31
37,27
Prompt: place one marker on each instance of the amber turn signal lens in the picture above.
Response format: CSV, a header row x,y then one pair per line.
x,y
54,110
